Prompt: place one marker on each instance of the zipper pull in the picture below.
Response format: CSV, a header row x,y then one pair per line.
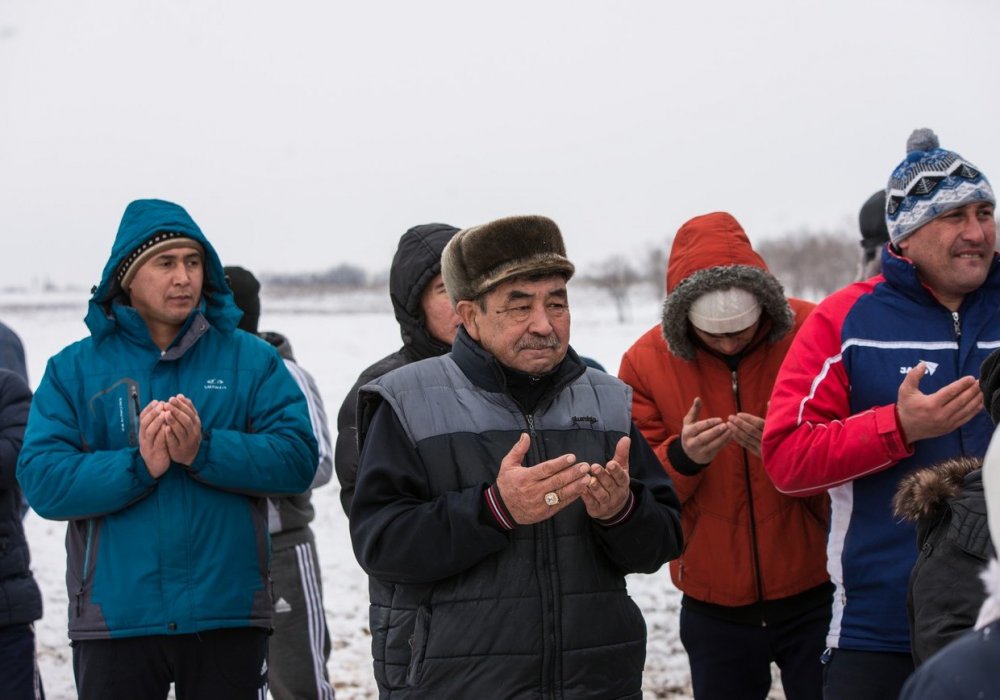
x,y
736,385
958,324
133,425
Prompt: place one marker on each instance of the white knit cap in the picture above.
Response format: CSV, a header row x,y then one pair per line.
x,y
724,311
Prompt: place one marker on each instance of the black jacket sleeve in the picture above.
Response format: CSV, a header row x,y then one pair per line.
x,y
345,455
15,402
652,534
399,533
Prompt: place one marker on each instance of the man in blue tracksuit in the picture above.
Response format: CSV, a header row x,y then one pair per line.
x,y
158,438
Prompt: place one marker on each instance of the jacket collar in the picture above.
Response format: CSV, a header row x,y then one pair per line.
x,y
486,372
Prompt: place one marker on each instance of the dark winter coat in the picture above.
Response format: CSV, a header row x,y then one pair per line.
x,y
948,505
20,599
967,668
416,263
188,551
462,609
12,352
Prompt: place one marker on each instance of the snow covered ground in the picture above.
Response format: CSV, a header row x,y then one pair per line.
x,y
335,337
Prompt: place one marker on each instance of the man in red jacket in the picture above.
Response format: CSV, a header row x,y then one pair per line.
x,y
881,381
753,569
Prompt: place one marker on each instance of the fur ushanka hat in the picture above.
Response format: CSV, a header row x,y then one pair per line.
x,y
478,259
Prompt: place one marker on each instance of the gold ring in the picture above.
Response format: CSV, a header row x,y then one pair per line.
x,y
551,498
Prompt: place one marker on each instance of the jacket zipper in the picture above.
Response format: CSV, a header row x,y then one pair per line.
x,y
83,574
754,549
957,323
548,649
133,423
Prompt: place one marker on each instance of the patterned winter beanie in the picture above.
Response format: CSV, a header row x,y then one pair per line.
x,y
160,242
929,182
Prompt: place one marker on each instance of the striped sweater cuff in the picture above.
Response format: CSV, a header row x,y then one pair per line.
x,y
622,515
497,508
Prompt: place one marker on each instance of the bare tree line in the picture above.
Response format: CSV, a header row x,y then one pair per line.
x,y
809,264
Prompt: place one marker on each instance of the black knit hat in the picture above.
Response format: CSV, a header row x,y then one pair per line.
x,y
871,220
246,293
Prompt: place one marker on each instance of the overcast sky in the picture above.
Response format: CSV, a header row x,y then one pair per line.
x,y
303,134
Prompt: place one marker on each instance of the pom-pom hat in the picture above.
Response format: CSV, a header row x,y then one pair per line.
x,y
928,183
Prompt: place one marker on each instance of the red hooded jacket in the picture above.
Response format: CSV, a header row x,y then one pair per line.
x,y
744,542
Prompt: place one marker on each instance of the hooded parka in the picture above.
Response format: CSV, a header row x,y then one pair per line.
x,y
188,551
744,542
416,263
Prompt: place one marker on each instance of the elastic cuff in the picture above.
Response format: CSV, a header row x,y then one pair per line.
x,y
897,444
899,426
680,461
622,515
498,509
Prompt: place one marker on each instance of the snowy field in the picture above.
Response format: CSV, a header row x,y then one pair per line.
x,y
335,337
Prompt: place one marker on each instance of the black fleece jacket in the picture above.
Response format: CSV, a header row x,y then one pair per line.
x,y
416,263
20,599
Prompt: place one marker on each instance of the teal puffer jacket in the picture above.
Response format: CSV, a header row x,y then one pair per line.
x,y
189,551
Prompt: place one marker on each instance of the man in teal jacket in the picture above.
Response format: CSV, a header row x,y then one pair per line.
x,y
158,438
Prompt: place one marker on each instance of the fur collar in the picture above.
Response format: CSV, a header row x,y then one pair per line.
x,y
921,493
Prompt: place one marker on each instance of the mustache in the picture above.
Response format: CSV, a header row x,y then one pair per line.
x,y
538,342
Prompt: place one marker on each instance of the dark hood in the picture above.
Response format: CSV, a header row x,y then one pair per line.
x,y
417,262
713,252
143,218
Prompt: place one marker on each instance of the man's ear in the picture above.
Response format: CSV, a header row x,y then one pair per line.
x,y
469,312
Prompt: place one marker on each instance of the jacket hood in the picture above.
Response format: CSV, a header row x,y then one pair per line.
x,y
921,493
713,252
142,219
416,263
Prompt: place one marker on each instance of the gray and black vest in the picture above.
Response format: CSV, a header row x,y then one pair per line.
x,y
546,617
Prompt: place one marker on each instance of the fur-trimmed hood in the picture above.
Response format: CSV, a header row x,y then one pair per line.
x,y
713,252
923,492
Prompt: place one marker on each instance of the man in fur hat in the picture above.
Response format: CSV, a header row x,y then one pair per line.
x,y
157,438
503,494
753,571
881,380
